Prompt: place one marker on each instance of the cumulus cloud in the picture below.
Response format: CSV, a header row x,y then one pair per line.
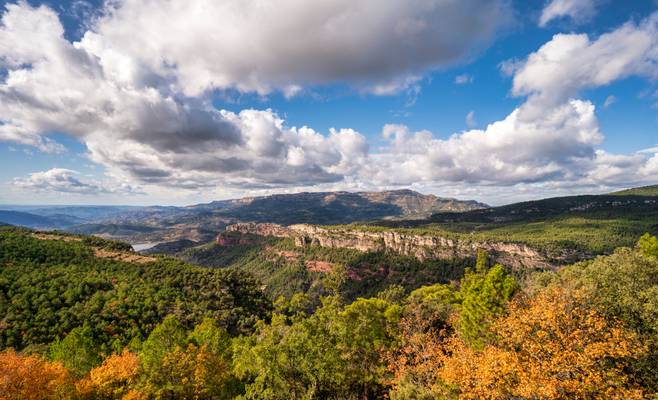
x,y
552,139
560,149
135,88
61,180
380,45
141,129
578,10
506,152
610,100
568,63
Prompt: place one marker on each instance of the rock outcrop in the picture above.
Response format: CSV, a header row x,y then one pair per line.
x,y
421,246
261,229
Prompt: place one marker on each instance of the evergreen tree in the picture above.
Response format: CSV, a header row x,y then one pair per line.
x,y
77,351
484,297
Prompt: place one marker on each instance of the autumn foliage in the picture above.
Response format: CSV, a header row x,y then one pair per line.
x,y
552,346
32,378
113,378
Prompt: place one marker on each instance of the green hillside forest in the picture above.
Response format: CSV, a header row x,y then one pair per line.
x,y
86,318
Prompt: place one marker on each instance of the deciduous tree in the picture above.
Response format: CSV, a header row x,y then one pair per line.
x,y
33,378
553,346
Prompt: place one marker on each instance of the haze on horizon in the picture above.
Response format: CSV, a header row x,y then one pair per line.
x,y
177,102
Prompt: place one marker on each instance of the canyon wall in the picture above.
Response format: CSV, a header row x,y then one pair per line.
x,y
423,246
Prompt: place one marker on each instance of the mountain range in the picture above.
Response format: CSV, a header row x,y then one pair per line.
x,y
588,224
201,222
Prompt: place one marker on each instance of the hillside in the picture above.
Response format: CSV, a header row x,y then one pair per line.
x,y
286,269
335,207
202,222
94,321
525,237
53,283
651,191
591,224
37,221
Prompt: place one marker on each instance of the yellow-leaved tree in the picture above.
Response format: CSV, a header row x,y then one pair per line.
x,y
114,379
551,346
29,377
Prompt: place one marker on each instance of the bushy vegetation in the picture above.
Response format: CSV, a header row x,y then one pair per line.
x,y
50,287
587,331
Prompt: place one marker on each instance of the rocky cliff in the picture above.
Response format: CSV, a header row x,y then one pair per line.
x,y
514,255
261,229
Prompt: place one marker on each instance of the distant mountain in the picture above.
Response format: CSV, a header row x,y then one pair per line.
x,y
335,207
89,213
606,205
202,222
56,221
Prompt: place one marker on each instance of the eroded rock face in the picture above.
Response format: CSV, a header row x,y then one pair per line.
x,y
514,255
260,229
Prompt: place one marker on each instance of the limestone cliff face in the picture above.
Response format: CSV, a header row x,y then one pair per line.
x,y
260,229
514,255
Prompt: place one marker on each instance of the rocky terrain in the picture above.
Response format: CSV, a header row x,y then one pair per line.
x,y
421,246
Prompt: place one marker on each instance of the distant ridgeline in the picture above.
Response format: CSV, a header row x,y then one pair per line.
x,y
537,234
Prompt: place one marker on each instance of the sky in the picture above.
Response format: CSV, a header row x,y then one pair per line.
x,y
177,102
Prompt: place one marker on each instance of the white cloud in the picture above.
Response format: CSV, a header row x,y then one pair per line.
x,y
378,45
134,90
507,152
463,79
552,139
470,119
610,100
571,62
61,180
578,10
559,150
147,134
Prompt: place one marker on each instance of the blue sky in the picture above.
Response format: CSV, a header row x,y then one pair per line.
x,y
55,158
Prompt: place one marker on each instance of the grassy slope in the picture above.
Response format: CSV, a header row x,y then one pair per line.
x,y
641,191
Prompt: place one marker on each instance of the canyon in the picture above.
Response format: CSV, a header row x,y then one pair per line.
x,y
421,246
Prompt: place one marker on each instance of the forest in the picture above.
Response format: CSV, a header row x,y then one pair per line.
x,y
79,325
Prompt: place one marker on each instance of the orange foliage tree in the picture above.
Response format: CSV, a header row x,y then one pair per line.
x,y
113,379
426,322
414,364
32,378
552,346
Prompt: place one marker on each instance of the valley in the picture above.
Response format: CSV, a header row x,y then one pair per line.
x,y
333,200
231,284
